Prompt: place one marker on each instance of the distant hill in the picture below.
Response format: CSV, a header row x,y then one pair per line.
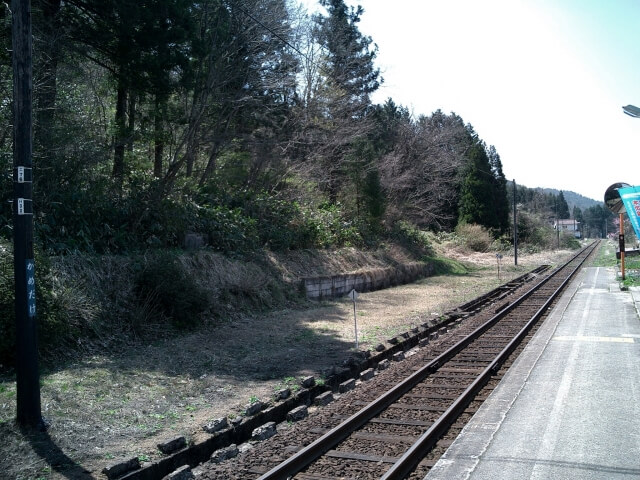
x,y
573,198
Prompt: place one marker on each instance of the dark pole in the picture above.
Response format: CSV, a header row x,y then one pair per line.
x,y
555,203
515,226
621,244
28,411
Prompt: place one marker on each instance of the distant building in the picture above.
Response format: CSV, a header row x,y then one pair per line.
x,y
568,225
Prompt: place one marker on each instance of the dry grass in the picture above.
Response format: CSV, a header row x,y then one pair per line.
x,y
118,405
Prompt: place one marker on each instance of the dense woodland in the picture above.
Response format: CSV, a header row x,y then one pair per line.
x,y
540,207
245,124
248,122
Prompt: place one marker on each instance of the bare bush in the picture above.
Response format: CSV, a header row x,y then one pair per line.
x,y
420,175
474,237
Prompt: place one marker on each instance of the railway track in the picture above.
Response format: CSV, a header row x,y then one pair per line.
x,y
398,422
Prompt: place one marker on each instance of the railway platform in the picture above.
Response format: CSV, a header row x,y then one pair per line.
x,y
569,407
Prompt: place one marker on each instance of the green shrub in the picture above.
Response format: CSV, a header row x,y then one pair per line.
x,y
569,241
446,266
228,230
326,227
92,219
169,291
412,237
503,243
7,308
274,220
53,329
279,224
104,219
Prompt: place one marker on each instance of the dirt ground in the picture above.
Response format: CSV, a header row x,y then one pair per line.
x,y
105,408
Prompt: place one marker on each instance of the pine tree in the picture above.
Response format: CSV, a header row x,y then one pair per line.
x,y
350,54
577,214
477,199
500,198
139,43
562,206
578,217
388,120
343,120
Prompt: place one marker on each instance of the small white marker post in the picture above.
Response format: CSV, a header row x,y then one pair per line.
x,y
498,257
353,295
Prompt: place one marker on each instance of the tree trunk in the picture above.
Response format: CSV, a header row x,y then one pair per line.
x,y
132,122
121,133
190,156
158,137
211,163
47,89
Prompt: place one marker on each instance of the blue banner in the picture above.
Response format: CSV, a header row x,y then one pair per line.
x,y
631,199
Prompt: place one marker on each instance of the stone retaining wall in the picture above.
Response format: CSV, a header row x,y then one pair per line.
x,y
339,285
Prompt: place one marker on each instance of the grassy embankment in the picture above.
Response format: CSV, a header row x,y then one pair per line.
x,y
607,258
116,396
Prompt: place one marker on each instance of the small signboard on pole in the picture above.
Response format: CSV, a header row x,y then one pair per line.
x,y
630,197
353,295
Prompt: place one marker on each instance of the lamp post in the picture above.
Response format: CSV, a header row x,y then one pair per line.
x,y
632,111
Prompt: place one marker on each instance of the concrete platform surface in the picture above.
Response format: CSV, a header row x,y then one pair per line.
x,y
569,407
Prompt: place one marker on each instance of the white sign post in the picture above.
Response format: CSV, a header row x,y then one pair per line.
x,y
353,295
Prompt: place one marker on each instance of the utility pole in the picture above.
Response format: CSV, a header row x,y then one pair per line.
x,y
621,244
515,226
28,412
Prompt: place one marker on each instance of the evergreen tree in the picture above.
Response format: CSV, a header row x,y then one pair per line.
x,y
389,118
500,199
350,54
6,75
477,196
140,43
577,214
597,221
343,122
374,198
562,207
578,217
48,51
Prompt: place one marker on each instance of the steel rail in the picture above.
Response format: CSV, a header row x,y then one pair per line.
x,y
320,446
423,445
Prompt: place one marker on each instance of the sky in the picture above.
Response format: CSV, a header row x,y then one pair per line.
x,y
544,81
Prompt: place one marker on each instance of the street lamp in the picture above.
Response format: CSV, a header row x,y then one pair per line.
x,y
632,111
